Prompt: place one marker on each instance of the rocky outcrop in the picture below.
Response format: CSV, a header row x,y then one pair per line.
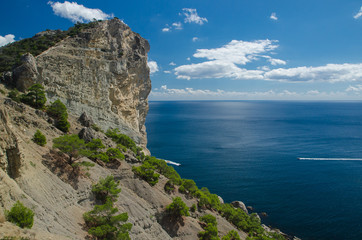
x,y
102,71
241,205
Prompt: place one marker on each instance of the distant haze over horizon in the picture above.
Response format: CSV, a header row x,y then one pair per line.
x,y
224,50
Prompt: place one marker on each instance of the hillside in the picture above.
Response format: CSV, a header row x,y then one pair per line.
x,y
100,73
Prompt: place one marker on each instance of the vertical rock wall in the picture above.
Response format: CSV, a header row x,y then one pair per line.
x,y
102,71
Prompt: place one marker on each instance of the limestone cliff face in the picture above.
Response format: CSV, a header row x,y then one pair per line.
x,y
102,71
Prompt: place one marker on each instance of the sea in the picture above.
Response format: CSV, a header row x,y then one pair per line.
x,y
250,151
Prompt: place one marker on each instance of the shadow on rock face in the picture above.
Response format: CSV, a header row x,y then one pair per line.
x,y
170,223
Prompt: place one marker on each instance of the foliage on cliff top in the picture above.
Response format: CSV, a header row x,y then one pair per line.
x,y
11,53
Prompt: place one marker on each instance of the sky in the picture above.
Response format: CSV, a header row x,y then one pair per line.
x,y
224,49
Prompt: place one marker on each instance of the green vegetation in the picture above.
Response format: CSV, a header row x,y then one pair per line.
x,y
114,153
95,145
20,215
106,188
14,95
35,96
71,145
177,208
232,235
96,128
39,138
193,208
10,54
58,111
146,172
169,187
102,221
210,228
122,139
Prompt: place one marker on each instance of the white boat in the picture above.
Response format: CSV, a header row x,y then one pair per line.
x,y
172,163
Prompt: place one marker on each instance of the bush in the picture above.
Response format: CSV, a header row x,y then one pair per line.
x,y
177,208
14,95
39,138
71,145
106,188
104,224
169,187
59,112
95,145
35,96
146,172
122,139
232,235
20,215
193,208
114,153
210,232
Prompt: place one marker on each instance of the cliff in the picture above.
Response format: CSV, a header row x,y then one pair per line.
x,y
102,70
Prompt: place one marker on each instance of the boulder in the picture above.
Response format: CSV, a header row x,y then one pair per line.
x,y
87,134
85,120
241,205
220,199
26,74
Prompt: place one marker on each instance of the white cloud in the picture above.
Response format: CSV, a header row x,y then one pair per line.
x,y
190,93
153,66
194,39
359,14
166,29
216,69
172,64
328,73
191,16
356,89
273,16
177,25
168,72
188,59
223,61
77,12
9,38
275,61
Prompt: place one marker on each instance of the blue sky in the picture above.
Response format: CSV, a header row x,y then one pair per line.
x,y
225,50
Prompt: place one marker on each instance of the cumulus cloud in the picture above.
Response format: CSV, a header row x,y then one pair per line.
x,y
328,73
273,16
166,29
172,64
191,16
194,39
359,14
168,72
190,93
153,66
223,61
275,61
177,25
9,38
356,89
77,12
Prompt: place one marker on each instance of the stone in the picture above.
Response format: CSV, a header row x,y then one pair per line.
x,y
85,120
87,134
26,74
250,208
241,205
220,199
263,214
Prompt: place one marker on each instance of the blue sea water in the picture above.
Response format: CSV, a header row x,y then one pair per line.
x,y
248,151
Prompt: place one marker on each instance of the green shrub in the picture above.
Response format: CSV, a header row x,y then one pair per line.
x,y
35,96
39,138
169,187
162,167
146,172
20,215
14,95
71,145
104,224
123,139
177,208
114,153
100,156
210,228
96,128
95,145
106,188
59,112
193,208
121,148
232,235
